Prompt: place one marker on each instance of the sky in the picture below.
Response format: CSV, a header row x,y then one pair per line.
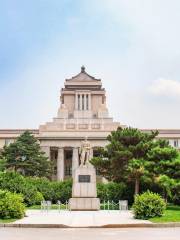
x,y
132,45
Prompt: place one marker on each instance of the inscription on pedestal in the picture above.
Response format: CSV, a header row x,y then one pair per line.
x,y
84,178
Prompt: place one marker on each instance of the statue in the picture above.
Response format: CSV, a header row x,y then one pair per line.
x,y
85,152
84,193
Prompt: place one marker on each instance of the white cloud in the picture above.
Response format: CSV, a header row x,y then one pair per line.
x,y
165,87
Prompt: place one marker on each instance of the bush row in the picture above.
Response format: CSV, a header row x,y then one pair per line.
x,y
35,190
17,189
16,183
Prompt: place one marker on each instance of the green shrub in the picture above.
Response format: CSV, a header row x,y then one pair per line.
x,y
147,205
53,190
176,194
38,198
110,191
62,190
14,182
11,205
43,185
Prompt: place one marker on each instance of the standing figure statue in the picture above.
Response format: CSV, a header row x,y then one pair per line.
x,y
85,152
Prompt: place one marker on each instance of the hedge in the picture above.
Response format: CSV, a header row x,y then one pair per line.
x,y
35,190
16,183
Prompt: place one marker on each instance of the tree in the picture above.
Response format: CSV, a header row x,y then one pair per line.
x,y
132,155
163,160
124,158
167,185
26,157
2,164
136,169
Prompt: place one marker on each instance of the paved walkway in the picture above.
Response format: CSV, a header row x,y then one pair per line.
x,y
89,234
80,218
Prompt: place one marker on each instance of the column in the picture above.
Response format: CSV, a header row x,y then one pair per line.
x,y
60,164
46,150
80,101
89,101
75,159
91,153
76,101
85,103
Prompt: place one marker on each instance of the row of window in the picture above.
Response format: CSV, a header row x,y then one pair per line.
x,y
85,102
174,142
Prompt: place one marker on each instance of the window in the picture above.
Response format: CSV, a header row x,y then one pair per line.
x,y
68,171
78,102
176,143
7,142
83,101
87,103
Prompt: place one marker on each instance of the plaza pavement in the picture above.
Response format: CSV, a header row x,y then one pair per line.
x,y
80,218
89,233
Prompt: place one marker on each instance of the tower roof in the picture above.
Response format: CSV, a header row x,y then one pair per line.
x,y
83,81
83,76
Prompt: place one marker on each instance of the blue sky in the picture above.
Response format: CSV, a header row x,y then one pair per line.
x,y
132,45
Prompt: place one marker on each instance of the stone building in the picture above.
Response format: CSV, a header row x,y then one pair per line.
x,y
82,113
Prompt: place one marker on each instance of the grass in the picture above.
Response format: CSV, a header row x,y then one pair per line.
x,y
63,206
171,214
8,220
53,206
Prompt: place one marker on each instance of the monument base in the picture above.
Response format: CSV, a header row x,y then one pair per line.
x,y
84,204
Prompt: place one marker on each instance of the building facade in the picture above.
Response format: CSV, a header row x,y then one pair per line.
x,y
82,113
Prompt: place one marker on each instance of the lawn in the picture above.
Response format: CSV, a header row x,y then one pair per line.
x,y
172,214
63,207
9,220
53,207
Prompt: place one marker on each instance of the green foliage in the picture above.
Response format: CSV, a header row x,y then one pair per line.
x,y
110,191
11,205
166,184
2,164
163,160
148,205
16,183
176,193
34,189
53,190
125,156
26,157
135,156
171,214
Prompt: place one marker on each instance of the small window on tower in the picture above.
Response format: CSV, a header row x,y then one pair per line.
x,y
78,102
83,102
87,103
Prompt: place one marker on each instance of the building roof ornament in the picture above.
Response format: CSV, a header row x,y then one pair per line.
x,y
83,69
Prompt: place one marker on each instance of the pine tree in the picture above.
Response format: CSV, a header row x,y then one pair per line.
x,y
25,156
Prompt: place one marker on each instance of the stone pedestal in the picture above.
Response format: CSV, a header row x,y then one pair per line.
x,y
84,204
84,194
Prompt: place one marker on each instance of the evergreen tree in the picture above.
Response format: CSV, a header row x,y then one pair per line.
x,y
132,155
163,160
26,157
124,158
